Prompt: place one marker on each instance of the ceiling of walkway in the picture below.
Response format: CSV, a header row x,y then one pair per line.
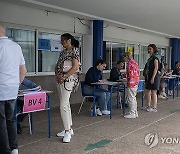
x,y
153,16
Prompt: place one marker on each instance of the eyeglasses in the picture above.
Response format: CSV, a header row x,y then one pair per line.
x,y
103,66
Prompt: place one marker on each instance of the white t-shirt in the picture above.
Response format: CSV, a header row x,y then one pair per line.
x,y
11,58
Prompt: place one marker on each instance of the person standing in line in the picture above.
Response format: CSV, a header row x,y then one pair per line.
x,y
152,82
12,73
67,77
132,74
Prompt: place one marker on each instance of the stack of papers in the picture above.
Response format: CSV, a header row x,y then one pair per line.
x,y
32,90
122,80
106,83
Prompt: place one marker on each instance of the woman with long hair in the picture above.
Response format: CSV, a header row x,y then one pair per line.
x,y
152,78
67,77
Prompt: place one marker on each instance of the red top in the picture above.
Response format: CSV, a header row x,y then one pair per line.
x,y
133,73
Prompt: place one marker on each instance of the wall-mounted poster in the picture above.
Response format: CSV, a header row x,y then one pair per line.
x,y
44,44
56,46
130,49
162,52
136,49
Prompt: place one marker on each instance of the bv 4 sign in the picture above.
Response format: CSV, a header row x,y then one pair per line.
x,y
34,102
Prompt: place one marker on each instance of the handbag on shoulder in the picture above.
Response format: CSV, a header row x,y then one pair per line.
x,y
67,65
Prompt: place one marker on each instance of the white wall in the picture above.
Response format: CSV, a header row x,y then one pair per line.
x,y
21,15
38,19
111,33
87,52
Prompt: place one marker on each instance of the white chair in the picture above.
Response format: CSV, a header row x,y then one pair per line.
x,y
84,96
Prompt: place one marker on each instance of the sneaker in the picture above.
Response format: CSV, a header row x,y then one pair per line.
x,y
105,112
14,151
148,109
152,110
131,116
136,114
170,93
61,134
162,97
67,137
98,112
164,94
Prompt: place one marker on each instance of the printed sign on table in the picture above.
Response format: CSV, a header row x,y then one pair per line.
x,y
34,102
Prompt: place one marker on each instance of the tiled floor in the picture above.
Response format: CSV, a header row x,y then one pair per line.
x,y
102,135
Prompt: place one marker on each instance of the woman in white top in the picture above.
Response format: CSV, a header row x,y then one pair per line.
x,y
67,77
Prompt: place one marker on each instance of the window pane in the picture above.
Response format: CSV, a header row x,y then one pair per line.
x,y
130,48
80,47
143,57
47,58
48,53
163,55
118,50
107,54
26,39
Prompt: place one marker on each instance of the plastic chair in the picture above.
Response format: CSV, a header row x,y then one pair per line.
x,y
34,102
84,96
141,89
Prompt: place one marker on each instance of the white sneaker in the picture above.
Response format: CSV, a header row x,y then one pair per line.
x,y
105,112
162,97
136,114
61,134
14,151
170,93
131,116
98,112
67,137
148,109
151,110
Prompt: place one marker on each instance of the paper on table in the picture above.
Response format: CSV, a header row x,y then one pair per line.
x,y
106,83
32,90
122,80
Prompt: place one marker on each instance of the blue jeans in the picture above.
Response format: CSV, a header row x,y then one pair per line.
x,y
102,95
8,133
172,83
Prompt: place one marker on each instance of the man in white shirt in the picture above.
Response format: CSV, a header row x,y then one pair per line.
x,y
12,72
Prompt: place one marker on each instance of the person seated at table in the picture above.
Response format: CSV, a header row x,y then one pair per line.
x,y
115,73
176,70
164,73
94,74
20,102
172,83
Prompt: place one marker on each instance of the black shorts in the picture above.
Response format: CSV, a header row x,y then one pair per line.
x,y
155,85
